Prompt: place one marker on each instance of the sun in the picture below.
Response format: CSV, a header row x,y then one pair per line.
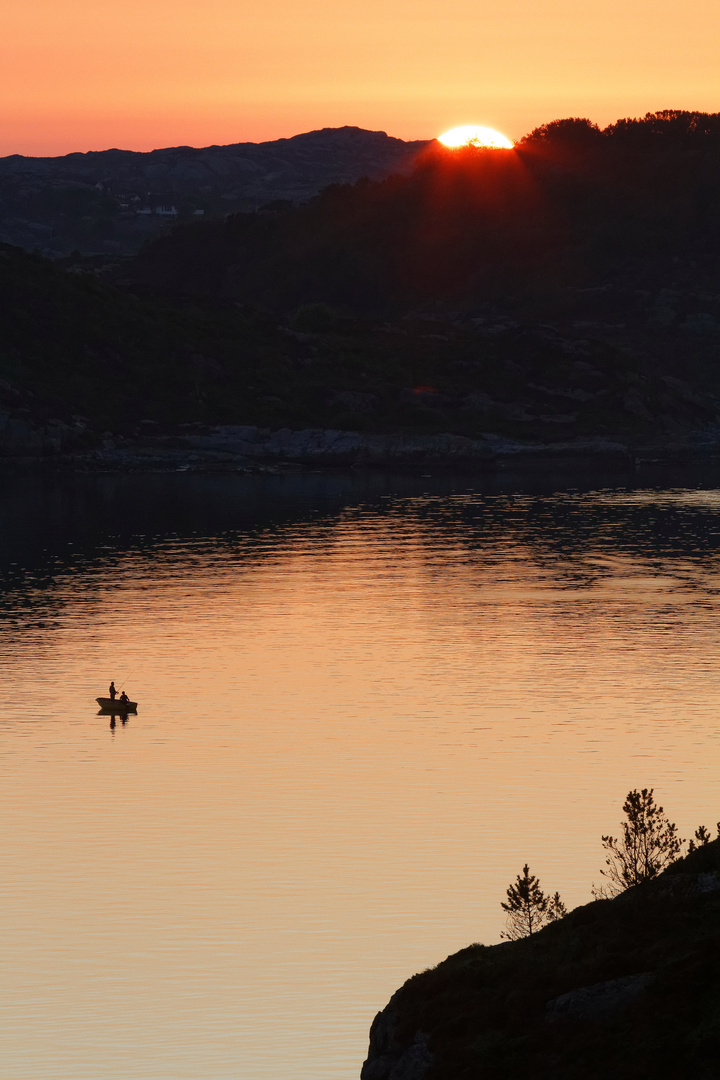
x,y
472,135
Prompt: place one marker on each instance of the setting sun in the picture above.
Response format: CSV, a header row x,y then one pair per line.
x,y
471,135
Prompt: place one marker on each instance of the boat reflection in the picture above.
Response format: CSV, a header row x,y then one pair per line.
x,y
123,717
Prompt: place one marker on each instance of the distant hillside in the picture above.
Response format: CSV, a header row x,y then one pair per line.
x,y
110,201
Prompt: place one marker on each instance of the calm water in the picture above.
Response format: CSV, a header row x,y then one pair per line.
x,y
363,706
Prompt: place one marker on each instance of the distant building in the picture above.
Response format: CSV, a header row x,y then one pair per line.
x,y
160,209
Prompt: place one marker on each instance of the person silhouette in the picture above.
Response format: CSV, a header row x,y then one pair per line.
x,y
124,697
112,691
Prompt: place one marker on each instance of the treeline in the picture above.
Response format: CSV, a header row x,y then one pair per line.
x,y
648,844
573,206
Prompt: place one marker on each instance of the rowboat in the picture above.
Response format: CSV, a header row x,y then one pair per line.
x,y
116,705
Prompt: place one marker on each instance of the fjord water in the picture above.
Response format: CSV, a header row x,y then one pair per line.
x,y
364,704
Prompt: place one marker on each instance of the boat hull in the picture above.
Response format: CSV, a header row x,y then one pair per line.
x,y
109,705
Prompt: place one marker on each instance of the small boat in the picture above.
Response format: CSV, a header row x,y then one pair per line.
x,y
115,705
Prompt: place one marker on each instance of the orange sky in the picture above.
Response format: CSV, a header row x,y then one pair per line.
x,y
82,75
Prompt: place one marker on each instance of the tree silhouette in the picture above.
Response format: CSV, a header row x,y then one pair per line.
x,y
527,907
572,131
703,838
649,843
555,909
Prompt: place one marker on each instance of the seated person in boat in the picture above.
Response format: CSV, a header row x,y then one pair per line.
x,y
124,697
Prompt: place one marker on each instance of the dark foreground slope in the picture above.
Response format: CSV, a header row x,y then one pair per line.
x,y
626,988
70,344
80,358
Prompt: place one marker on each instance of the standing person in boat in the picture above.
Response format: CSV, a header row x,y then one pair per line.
x,y
112,691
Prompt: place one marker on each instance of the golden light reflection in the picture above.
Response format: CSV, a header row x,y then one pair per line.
x,y
350,737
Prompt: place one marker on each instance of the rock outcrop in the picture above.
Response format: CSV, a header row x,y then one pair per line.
x,y
248,448
624,988
21,437
317,446
391,1058
598,1002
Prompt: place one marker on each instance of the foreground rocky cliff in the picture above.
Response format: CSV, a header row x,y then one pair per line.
x,y
623,989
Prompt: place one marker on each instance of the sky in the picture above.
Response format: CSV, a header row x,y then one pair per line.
x,y
141,74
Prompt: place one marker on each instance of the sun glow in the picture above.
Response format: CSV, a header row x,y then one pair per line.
x,y
471,135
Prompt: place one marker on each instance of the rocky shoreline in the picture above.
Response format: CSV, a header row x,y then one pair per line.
x,y
247,448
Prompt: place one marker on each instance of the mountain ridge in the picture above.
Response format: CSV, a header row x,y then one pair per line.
x,y
111,201
303,135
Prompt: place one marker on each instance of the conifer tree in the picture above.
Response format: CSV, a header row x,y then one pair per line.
x,y
527,907
555,909
648,845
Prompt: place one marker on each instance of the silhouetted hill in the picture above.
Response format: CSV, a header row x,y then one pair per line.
x,y
100,201
633,211
626,988
579,244
567,291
